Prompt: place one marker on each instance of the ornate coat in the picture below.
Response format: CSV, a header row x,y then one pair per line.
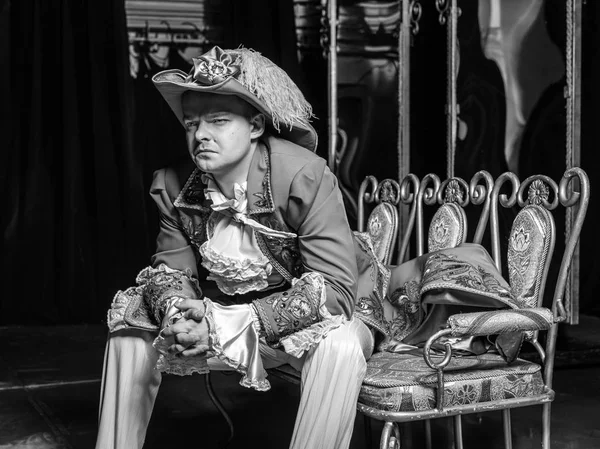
x,y
289,189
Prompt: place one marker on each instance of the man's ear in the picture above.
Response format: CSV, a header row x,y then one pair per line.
x,y
258,125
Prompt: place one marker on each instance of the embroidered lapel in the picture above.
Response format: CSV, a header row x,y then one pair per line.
x,y
260,198
192,194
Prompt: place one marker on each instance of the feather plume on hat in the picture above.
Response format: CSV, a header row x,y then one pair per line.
x,y
274,87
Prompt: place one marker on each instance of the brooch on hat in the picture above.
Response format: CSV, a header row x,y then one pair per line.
x,y
214,67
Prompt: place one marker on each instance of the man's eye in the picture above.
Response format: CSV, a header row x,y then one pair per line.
x,y
218,121
191,125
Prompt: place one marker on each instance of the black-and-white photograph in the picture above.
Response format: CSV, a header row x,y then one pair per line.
x,y
303,224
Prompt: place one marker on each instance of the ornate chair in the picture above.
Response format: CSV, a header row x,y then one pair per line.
x,y
448,226
407,387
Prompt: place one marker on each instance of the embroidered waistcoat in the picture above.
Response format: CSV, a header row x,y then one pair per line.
x,y
195,211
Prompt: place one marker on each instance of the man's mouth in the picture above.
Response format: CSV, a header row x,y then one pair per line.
x,y
199,150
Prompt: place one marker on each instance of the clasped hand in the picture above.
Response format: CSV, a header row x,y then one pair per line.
x,y
189,334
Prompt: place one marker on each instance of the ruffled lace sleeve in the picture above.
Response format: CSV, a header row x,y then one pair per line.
x,y
145,305
233,338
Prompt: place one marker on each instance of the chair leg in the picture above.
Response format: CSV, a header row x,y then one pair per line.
x,y
368,432
428,444
507,428
215,400
458,439
389,441
546,425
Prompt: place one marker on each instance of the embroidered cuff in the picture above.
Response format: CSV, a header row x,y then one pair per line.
x,y
123,303
297,319
163,284
145,305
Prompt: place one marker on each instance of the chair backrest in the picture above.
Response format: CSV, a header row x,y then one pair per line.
x,y
449,226
382,223
532,238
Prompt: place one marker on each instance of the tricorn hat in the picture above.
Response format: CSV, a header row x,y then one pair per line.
x,y
250,76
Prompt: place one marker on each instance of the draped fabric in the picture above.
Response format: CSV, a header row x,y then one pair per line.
x,y
75,228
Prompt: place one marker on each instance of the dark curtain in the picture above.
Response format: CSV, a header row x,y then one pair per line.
x,y
75,230
158,137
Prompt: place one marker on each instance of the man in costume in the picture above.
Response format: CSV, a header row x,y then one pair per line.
x,y
258,215
258,212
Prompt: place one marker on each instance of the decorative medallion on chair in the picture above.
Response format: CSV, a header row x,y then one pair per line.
x,y
530,245
448,227
382,227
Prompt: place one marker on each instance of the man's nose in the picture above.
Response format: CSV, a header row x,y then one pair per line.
x,y
201,132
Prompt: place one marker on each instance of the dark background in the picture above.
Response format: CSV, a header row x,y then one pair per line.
x,y
81,139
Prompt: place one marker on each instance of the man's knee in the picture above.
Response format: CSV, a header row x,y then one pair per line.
x,y
132,342
351,340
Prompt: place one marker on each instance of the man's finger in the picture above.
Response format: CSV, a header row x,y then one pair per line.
x,y
187,304
194,314
176,349
180,327
196,350
185,339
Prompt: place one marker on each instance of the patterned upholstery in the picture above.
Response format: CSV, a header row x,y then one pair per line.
x,y
382,227
448,227
403,382
530,245
501,321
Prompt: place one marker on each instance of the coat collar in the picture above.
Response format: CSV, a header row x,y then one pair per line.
x,y
260,197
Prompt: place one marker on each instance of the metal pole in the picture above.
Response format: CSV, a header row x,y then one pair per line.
x,y
332,87
404,37
573,150
452,102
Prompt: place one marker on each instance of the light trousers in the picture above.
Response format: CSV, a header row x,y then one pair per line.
x,y
331,373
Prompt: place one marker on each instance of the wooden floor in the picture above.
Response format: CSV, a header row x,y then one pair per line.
x,y
49,389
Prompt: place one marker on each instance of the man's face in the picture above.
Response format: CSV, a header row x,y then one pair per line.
x,y
220,130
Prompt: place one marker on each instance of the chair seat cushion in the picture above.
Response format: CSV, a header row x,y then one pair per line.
x,y
404,382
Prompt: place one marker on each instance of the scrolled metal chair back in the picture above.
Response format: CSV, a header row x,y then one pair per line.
x,y
409,192
426,196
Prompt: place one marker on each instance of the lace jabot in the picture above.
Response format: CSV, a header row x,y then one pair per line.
x,y
231,253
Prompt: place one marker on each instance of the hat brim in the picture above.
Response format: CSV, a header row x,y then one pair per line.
x,y
172,84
